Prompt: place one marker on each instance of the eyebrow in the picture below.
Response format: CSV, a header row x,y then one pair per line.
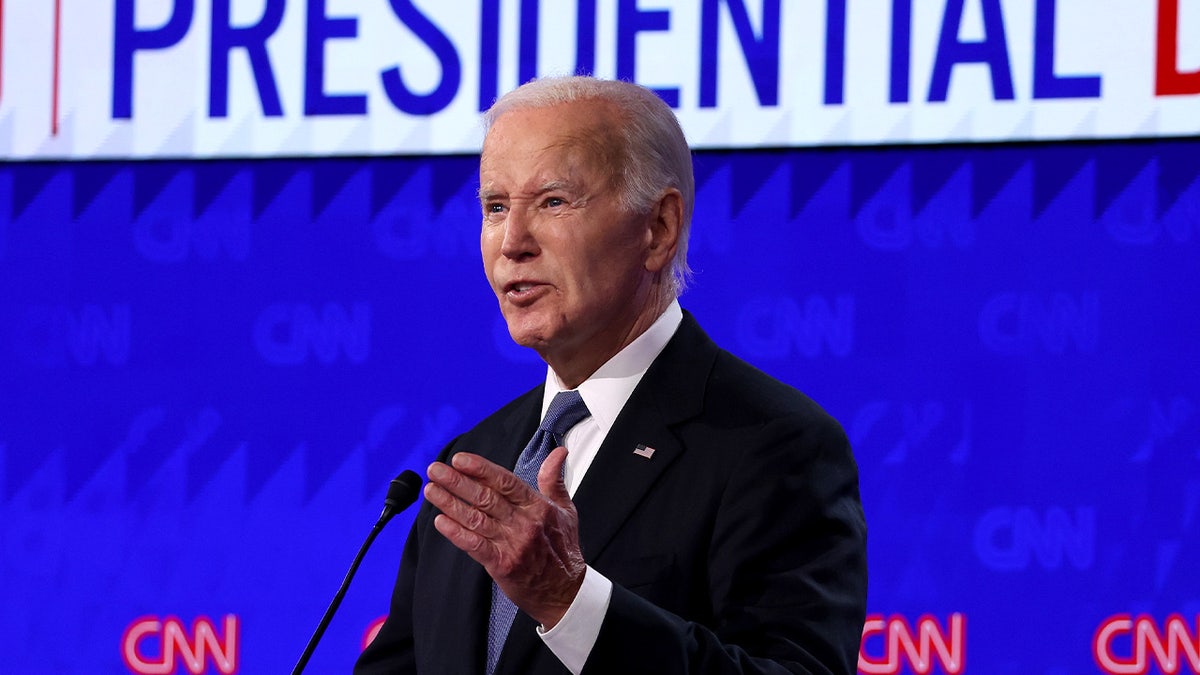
x,y
486,194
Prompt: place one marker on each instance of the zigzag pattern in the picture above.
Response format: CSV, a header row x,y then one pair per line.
x,y
991,168
273,214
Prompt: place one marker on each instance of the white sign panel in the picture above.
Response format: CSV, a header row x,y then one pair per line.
x,y
82,79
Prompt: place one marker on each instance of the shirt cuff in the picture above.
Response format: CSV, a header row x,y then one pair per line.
x,y
573,637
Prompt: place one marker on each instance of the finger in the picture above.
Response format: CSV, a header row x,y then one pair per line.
x,y
455,482
493,476
475,466
468,542
462,513
550,477
458,495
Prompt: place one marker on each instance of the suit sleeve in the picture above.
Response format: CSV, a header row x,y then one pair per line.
x,y
786,569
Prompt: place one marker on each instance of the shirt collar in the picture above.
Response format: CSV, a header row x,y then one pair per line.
x,y
607,390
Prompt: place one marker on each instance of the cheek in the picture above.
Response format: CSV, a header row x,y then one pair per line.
x,y
486,236
489,248
617,264
602,283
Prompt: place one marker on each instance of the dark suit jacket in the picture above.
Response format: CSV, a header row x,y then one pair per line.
x,y
739,547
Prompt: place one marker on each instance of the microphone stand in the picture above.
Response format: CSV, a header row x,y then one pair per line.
x,y
402,492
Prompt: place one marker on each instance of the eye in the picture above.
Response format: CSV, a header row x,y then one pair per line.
x,y
555,202
493,207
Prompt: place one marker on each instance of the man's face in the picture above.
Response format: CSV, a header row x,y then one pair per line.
x,y
567,264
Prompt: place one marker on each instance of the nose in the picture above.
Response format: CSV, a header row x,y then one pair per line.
x,y
519,241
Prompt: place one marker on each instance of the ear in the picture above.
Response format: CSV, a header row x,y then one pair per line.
x,y
665,226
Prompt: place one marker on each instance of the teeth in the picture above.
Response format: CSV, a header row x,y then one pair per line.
x,y
520,288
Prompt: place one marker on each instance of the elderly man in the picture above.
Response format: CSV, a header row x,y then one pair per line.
x,y
656,505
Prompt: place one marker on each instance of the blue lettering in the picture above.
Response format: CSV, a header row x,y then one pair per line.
x,y
996,552
1008,539
1016,324
528,49
918,424
128,40
489,47
1166,421
901,50
1140,228
992,50
177,237
762,54
55,336
393,82
412,235
95,332
489,53
320,29
1046,83
835,53
772,328
885,231
888,231
285,334
253,39
585,37
402,237
630,22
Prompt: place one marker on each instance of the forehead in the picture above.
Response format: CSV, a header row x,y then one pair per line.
x,y
530,144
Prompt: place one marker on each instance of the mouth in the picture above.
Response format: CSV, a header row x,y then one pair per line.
x,y
524,292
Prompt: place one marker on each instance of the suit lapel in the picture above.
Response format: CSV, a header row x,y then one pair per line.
x,y
671,391
515,427
617,484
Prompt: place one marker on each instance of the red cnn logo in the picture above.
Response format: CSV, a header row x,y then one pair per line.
x,y
175,644
372,631
1146,645
920,648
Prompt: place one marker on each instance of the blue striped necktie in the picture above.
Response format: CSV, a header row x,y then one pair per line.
x,y
566,410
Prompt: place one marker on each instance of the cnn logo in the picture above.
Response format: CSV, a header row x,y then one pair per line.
x,y
890,643
1124,645
152,646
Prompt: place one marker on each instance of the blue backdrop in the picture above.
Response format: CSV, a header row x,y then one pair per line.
x,y
209,371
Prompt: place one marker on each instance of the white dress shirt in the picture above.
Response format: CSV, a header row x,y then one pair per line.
x,y
605,394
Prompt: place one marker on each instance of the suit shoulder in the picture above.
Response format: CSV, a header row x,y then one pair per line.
x,y
742,390
509,416
517,406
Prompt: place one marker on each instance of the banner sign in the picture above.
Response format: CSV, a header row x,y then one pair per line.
x,y
82,79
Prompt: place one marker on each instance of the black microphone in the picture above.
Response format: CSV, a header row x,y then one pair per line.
x,y
402,492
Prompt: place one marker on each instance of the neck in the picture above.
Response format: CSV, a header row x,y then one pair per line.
x,y
574,368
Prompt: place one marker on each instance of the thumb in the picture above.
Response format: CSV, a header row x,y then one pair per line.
x,y
550,477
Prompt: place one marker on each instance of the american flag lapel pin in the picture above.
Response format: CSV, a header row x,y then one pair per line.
x,y
644,451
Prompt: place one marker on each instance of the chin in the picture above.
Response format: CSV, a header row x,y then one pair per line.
x,y
526,334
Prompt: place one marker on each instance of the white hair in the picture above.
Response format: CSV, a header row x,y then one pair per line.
x,y
652,156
